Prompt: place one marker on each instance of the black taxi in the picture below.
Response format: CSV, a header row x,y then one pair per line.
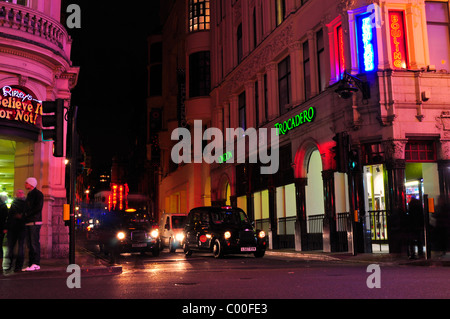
x,y
222,230
121,232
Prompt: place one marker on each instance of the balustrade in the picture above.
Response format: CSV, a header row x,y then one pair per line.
x,y
34,23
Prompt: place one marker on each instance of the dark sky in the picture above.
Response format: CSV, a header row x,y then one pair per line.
x,y
111,50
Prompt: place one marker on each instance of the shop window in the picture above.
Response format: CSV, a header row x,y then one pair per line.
x,y
261,205
438,24
199,15
420,151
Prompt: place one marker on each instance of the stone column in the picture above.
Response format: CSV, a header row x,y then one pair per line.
x,y
300,223
396,222
329,221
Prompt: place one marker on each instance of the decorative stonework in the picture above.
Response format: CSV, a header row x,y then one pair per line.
x,y
444,150
395,149
261,58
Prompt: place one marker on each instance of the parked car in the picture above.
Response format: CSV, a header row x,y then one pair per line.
x,y
222,230
171,230
120,232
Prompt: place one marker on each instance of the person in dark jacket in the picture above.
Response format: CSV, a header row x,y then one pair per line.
x,y
3,216
33,221
416,224
15,229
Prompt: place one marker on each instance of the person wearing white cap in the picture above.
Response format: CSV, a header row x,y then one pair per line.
x,y
33,222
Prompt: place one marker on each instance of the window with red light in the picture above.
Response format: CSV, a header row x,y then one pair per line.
x,y
340,56
420,151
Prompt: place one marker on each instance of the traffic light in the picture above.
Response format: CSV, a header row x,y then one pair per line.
x,y
353,159
53,125
341,151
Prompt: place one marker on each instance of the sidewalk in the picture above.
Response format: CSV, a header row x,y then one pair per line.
x,y
436,260
89,264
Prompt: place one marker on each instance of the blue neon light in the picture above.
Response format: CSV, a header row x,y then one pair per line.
x,y
366,43
367,37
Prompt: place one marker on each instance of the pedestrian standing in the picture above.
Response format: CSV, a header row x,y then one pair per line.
x,y
15,229
33,221
416,224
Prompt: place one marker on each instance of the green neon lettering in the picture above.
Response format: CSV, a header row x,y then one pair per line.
x,y
287,124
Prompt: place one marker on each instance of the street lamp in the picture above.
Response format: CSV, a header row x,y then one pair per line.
x,y
351,84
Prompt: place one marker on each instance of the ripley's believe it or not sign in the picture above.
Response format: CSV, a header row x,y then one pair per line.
x,y
17,105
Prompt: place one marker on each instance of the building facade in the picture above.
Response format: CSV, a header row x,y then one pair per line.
x,y
35,66
358,92
174,102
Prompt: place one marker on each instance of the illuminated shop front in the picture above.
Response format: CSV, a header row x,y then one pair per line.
x,y
19,114
419,176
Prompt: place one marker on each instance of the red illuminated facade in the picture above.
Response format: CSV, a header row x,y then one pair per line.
x,y
271,60
35,66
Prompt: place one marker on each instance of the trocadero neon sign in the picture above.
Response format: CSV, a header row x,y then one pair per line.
x,y
307,116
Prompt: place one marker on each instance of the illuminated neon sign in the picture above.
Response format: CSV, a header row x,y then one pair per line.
x,y
17,105
398,43
118,197
225,157
341,54
307,116
366,43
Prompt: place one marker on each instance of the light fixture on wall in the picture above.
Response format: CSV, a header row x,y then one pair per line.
x,y
351,84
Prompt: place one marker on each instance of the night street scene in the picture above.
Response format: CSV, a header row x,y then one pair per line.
x,y
225,158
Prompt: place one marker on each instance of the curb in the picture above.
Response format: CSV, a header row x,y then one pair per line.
x,y
62,271
305,256
372,259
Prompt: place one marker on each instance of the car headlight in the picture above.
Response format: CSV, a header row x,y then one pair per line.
x,y
121,235
262,234
154,233
179,237
227,235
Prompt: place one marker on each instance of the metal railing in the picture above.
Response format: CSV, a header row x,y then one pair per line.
x,y
378,226
315,224
286,225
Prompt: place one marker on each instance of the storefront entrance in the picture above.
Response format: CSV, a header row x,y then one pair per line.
x,y
421,177
16,164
